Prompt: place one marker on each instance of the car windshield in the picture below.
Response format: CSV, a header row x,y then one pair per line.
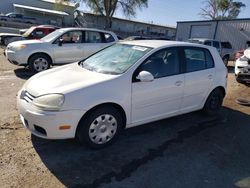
x,y
27,33
115,59
52,35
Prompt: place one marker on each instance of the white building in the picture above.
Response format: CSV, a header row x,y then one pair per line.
x,y
236,31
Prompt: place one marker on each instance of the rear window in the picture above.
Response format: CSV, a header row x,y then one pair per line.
x,y
226,45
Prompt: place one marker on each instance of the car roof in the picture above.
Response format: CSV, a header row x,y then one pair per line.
x,y
85,29
161,43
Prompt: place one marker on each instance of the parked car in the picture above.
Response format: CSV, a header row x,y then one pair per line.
x,y
240,52
34,32
63,46
5,36
124,85
242,68
145,38
16,17
224,48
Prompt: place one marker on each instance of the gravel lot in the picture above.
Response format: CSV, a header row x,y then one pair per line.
x,y
191,150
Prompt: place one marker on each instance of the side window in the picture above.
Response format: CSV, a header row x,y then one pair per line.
x,y
72,37
216,44
208,43
93,37
108,37
197,59
209,60
162,63
38,33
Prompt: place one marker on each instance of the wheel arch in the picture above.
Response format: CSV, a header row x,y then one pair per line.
x,y
41,53
108,104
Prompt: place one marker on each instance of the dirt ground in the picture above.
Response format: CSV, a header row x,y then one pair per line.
x,y
191,150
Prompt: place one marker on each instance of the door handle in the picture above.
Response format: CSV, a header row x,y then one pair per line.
x,y
210,76
178,83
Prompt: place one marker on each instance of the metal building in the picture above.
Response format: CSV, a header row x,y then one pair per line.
x,y
45,11
125,27
236,31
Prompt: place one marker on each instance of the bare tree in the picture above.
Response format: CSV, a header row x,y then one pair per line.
x,y
107,8
221,9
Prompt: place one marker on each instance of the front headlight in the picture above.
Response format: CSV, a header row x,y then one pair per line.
x,y
19,47
50,102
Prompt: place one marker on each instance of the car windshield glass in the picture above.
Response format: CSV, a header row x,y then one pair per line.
x,y
115,59
52,36
27,33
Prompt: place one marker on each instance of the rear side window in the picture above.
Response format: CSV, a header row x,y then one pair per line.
x,y
197,59
108,37
93,37
208,43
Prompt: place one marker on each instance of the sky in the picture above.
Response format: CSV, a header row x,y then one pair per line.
x,y
168,12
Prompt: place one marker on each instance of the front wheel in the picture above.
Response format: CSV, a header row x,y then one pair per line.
x,y
100,128
214,102
39,62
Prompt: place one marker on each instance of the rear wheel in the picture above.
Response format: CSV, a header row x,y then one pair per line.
x,y
214,102
100,128
39,62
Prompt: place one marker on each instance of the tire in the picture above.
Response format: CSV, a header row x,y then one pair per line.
x,y
39,62
213,103
98,136
225,60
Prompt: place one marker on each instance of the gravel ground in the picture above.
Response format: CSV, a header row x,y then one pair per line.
x,y
191,150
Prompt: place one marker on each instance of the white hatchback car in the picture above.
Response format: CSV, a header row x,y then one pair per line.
x,y
125,85
62,46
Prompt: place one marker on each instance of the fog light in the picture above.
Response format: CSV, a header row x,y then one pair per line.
x,y
64,127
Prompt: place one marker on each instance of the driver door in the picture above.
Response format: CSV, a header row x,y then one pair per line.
x,y
71,48
161,97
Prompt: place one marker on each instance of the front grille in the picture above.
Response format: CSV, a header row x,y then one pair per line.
x,y
26,96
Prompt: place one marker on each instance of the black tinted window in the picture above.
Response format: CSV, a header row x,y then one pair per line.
x,y
226,45
198,59
162,63
208,43
216,44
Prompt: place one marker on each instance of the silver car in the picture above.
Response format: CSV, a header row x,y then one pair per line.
x,y
62,46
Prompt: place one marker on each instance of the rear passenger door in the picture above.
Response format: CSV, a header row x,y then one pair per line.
x,y
95,41
199,75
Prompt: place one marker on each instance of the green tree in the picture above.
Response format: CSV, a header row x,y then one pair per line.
x,y
107,8
221,9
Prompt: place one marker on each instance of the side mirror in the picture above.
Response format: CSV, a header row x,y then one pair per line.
x,y
60,42
145,76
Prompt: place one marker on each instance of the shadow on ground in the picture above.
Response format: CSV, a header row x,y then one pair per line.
x,y
23,73
208,151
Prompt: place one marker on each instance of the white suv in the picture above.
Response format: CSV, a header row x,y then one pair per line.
x,y
62,46
125,85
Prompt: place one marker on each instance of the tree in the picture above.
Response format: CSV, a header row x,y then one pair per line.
x,y
107,8
221,9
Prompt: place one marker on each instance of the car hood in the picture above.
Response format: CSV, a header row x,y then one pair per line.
x,y
247,53
10,34
64,79
26,42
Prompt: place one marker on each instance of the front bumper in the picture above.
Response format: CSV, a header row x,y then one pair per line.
x,y
45,124
243,77
16,57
